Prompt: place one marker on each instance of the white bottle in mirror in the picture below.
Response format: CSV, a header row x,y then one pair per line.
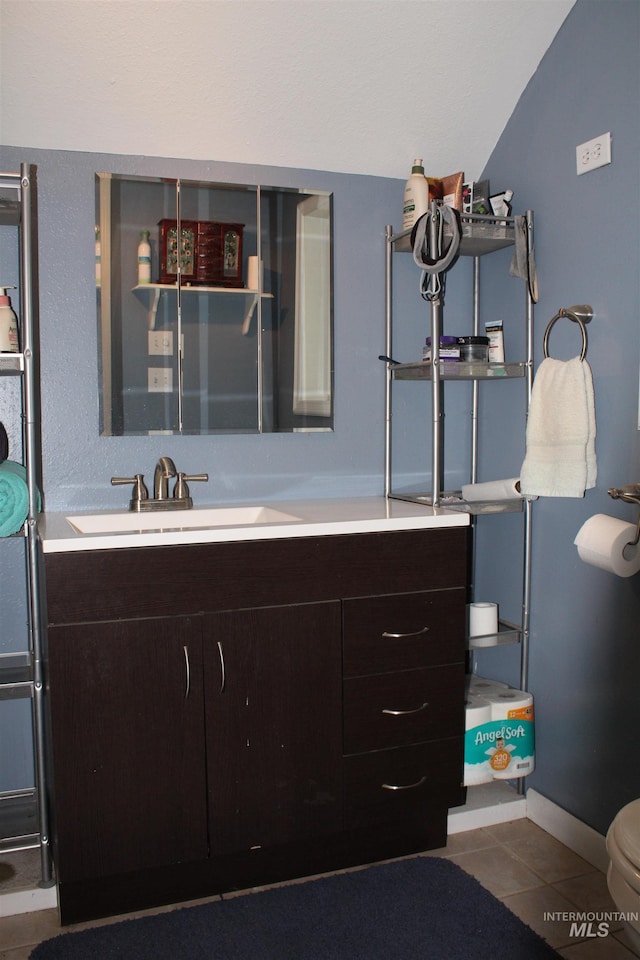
x,y
144,258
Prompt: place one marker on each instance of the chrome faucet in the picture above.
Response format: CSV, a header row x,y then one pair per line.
x,y
165,471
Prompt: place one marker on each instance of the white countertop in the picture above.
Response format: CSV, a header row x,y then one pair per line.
x,y
313,518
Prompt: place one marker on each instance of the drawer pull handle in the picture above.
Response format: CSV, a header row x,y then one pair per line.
x,y
399,636
405,713
408,786
187,672
223,672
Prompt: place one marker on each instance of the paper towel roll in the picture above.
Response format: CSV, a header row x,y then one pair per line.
x,y
603,542
483,622
492,490
254,273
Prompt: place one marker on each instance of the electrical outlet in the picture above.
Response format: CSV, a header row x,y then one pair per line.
x,y
594,153
160,380
160,343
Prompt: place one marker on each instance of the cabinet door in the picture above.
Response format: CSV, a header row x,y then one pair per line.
x,y
273,710
128,745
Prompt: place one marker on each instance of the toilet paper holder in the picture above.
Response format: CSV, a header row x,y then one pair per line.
x,y
630,494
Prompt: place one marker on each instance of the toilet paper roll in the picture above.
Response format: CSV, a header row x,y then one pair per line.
x,y
492,490
254,273
604,542
477,769
482,686
483,622
514,752
477,710
510,704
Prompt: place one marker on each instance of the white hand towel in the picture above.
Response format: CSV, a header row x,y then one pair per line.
x,y
560,459
592,463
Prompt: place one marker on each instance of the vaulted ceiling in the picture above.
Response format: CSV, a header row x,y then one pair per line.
x,y
358,86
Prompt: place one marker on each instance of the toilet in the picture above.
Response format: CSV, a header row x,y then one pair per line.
x,y
623,875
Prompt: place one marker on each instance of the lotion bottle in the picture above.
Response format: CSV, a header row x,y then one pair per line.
x,y
144,258
8,324
416,196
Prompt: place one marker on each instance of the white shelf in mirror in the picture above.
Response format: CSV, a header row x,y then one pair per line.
x,y
158,288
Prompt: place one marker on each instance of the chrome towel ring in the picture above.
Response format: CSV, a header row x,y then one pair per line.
x,y
580,314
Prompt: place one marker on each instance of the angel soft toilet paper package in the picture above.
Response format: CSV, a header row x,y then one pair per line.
x,y
502,747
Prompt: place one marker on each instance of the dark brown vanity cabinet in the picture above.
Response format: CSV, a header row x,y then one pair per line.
x,y
273,725
248,712
129,746
403,696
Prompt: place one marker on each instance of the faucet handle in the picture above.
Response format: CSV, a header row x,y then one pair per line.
x,y
140,491
181,490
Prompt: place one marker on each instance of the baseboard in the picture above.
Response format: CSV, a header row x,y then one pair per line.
x,y
28,901
487,804
494,803
578,836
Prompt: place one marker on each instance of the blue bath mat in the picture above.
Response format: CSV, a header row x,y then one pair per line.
x,y
424,908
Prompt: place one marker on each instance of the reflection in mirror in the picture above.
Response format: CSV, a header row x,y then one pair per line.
x,y
312,373
232,333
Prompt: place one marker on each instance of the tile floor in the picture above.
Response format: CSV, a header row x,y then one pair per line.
x,y
526,868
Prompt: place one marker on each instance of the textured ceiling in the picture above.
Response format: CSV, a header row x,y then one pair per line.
x,y
358,86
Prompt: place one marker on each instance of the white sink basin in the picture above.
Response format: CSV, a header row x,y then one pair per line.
x,y
204,517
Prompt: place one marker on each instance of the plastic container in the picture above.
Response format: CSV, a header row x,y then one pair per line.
x,y
8,324
474,349
449,349
416,196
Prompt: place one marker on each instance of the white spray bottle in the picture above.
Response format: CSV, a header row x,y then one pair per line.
x,y
8,324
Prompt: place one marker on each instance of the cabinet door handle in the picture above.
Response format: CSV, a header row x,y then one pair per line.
x,y
397,636
405,713
223,675
187,672
408,786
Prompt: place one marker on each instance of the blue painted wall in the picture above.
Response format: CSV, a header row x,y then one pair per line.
x,y
585,645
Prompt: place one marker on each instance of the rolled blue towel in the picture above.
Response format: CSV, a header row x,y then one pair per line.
x,y
14,497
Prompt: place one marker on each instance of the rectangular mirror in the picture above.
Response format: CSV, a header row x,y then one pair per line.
x,y
230,328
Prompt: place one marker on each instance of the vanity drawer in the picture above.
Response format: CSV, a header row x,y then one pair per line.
x,y
393,784
403,631
397,709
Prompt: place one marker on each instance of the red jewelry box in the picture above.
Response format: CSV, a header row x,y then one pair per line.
x,y
209,252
